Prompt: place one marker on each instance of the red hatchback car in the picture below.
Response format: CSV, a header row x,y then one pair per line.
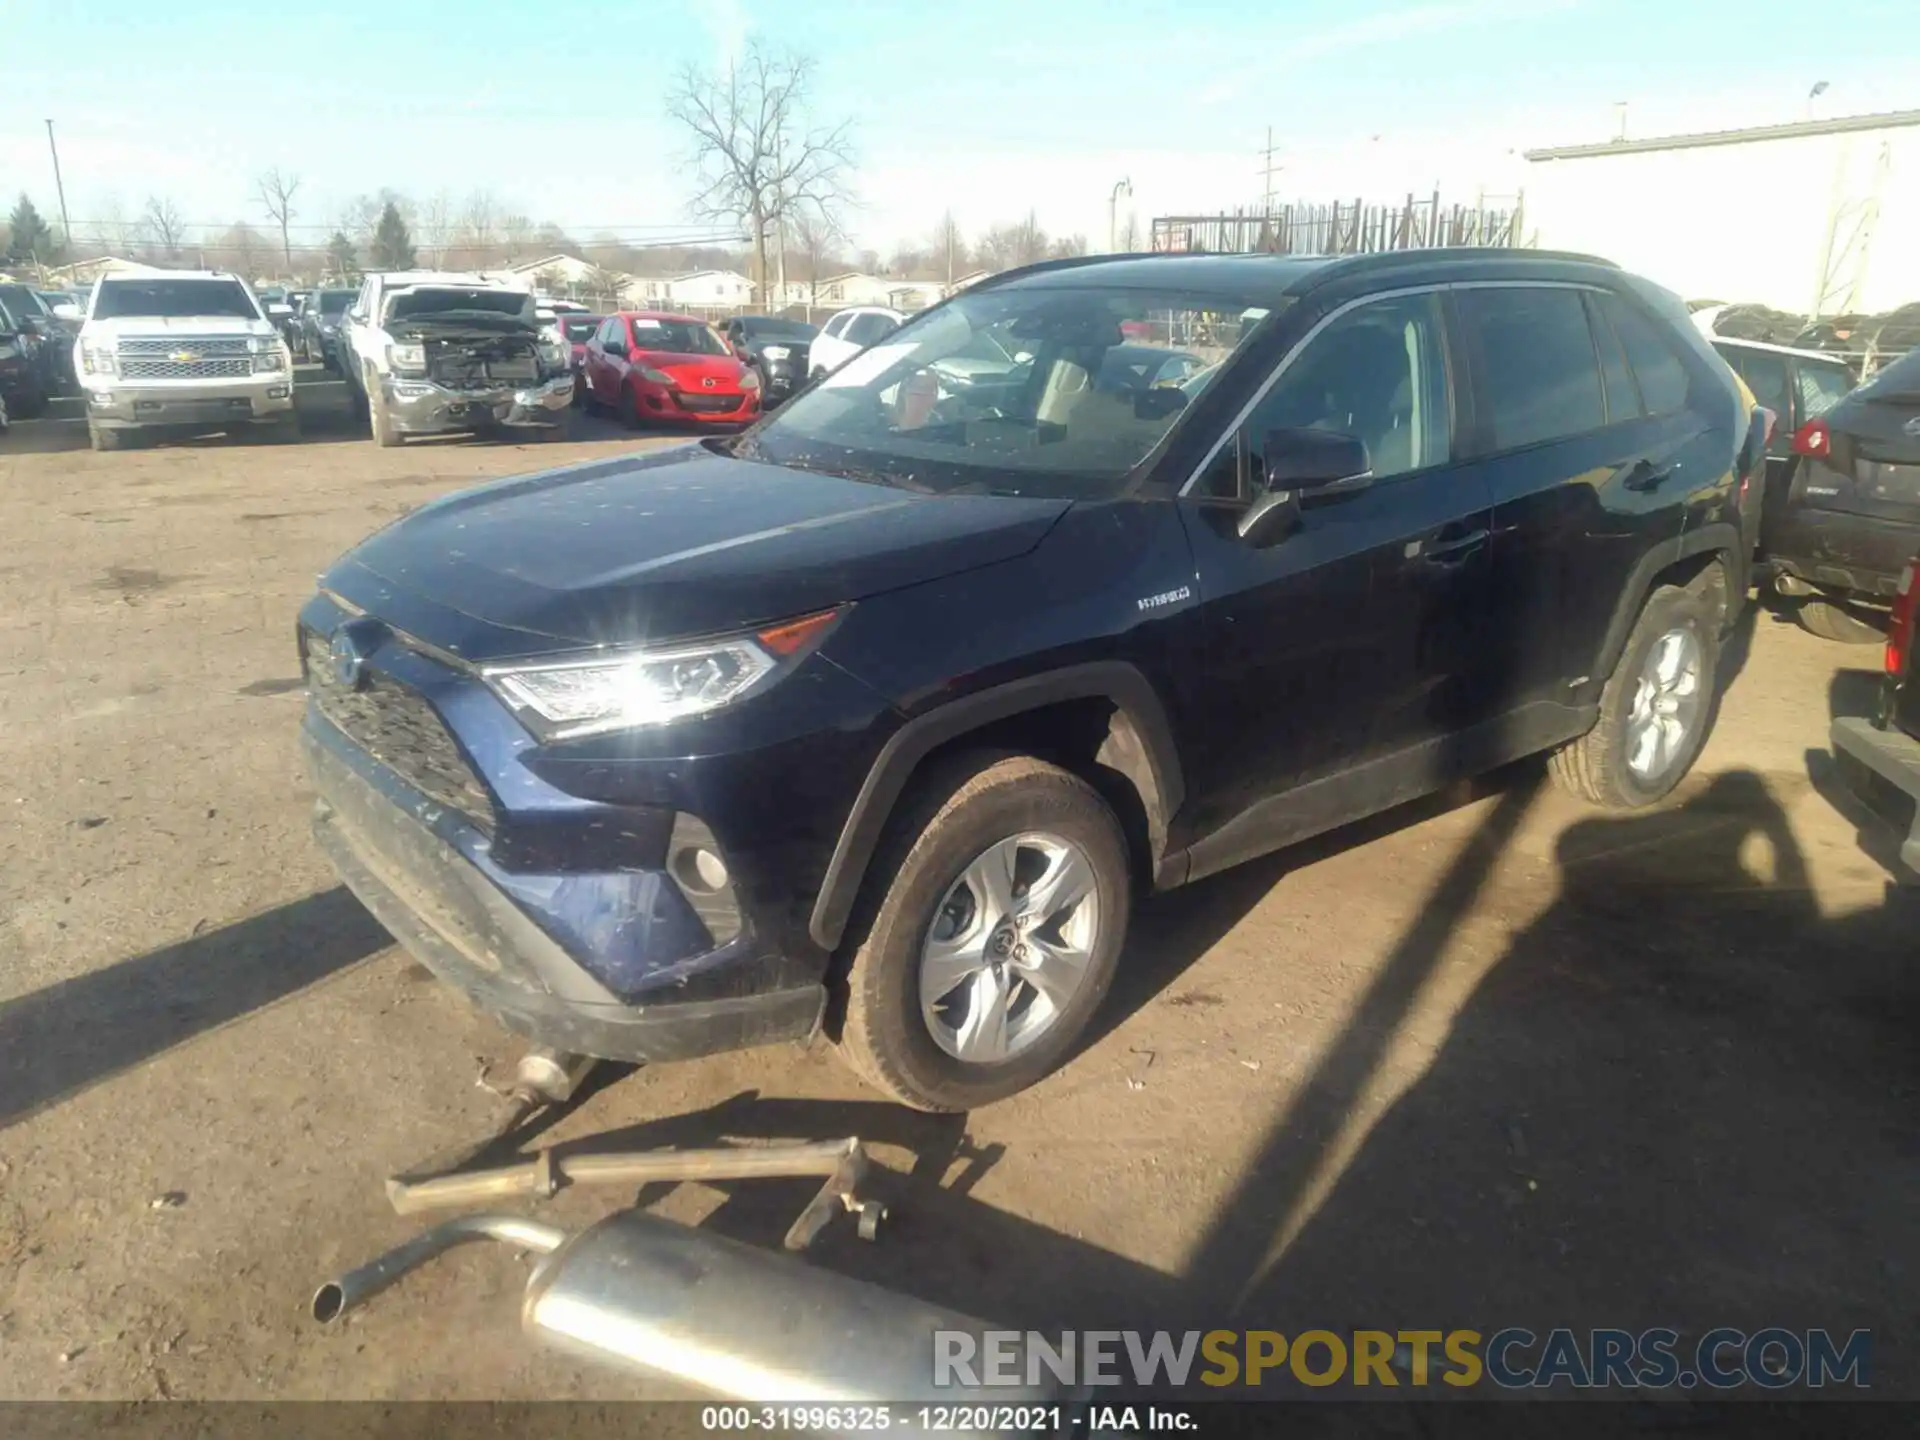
x,y
645,366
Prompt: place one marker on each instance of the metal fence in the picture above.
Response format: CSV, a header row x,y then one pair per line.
x,y
1343,228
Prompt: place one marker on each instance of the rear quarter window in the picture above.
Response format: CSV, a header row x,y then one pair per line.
x,y
1655,359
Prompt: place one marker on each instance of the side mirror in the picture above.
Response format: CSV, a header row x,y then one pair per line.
x,y
1303,467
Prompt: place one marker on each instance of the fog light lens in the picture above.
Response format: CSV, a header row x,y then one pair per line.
x,y
276,392
100,397
699,868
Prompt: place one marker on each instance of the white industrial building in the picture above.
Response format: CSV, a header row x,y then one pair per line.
x,y
1816,217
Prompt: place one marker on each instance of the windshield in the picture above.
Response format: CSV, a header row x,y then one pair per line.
x,y
22,301
449,301
1049,392
676,337
772,329
580,328
174,300
1896,382
334,302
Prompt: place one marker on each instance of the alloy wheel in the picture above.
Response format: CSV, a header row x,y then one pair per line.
x,y
1667,701
1009,947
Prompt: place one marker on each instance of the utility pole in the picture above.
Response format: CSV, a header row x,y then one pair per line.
x,y
59,186
1267,171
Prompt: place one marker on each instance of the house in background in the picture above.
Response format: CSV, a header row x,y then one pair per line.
x,y
711,288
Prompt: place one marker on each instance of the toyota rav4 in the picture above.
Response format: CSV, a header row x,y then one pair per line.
x,y
875,718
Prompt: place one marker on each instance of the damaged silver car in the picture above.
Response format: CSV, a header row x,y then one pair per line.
x,y
430,354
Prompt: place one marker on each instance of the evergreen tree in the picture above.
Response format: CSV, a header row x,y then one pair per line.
x,y
32,238
341,259
392,245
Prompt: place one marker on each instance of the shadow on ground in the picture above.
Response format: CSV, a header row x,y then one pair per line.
x,y
60,1040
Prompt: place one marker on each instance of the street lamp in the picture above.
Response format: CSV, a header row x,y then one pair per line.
x,y
1113,213
1819,89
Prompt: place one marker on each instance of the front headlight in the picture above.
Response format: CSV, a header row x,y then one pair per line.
x,y
750,379
97,360
555,354
658,377
625,689
774,352
407,358
270,355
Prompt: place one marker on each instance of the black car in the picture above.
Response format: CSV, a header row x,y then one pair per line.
x,y
42,351
777,348
1846,516
875,718
320,324
1880,758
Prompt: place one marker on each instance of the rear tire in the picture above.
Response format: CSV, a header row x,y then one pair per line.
x,y
1599,766
1831,620
967,811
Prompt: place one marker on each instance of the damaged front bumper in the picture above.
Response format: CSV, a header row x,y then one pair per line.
x,y
420,407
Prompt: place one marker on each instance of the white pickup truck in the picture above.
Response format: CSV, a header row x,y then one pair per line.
x,y
189,349
429,352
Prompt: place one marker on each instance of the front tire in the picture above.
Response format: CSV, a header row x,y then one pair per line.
x,y
1832,621
1655,708
977,968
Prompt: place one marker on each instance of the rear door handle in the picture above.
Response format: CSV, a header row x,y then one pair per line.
x,y
1643,478
1453,550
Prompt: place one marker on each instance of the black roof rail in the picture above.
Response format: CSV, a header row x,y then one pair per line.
x,y
1460,254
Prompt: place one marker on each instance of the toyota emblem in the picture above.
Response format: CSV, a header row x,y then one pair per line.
x,y
709,382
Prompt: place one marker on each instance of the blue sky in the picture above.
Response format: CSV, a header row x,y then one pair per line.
x,y
990,107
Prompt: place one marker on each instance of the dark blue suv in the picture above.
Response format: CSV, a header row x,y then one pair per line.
x,y
875,718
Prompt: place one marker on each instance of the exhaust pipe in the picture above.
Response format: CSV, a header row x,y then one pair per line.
x,y
661,1300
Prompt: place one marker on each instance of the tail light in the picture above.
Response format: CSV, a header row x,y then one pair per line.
x,y
1814,439
1900,632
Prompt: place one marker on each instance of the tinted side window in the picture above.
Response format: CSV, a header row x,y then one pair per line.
x,y
1542,378
836,325
1821,387
1378,373
1766,376
1623,396
1656,364
865,329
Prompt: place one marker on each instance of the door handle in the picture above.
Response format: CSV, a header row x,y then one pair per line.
x,y
1643,478
1454,550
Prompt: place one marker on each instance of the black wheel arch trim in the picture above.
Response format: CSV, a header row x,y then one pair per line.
x,y
1720,538
1134,699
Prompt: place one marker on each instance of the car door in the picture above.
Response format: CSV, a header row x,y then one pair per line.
x,y
829,349
1348,640
1581,455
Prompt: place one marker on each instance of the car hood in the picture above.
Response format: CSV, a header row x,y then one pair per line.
x,y
151,325
692,370
680,543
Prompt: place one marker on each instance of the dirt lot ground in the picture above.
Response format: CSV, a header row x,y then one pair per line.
x,y
1490,1060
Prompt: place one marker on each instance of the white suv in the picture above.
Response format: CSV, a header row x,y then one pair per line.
x,y
184,348
846,334
432,352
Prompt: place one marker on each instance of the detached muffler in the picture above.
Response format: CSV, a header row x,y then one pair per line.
x,y
659,1299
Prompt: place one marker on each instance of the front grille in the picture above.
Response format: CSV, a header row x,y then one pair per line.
x,y
214,347
401,730
218,369
709,404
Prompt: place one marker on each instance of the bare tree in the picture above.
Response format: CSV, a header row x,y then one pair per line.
x,y
1130,232
112,234
242,248
761,160
949,247
276,192
815,237
601,283
479,227
163,226
1021,243
436,226
518,232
